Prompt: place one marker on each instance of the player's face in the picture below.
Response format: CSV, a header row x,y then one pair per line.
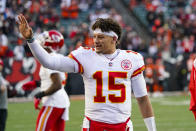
x,y
104,44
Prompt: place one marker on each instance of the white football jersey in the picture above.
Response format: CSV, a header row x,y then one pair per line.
x,y
107,83
58,99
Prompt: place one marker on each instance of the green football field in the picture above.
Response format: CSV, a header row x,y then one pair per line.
x,y
172,114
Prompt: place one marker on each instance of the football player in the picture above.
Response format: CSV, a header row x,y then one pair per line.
x,y
3,99
109,75
192,89
54,112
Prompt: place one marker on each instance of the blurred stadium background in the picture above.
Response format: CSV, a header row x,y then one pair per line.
x,y
163,31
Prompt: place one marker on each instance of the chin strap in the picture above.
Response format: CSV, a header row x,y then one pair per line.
x,y
150,123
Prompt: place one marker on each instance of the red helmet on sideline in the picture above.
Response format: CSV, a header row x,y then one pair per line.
x,y
55,40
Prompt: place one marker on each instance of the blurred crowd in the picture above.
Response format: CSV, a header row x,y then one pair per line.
x,y
172,25
171,49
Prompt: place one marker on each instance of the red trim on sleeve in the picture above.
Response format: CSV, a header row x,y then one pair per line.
x,y
130,51
81,69
138,71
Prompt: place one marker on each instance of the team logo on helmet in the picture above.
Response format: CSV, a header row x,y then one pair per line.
x,y
55,40
126,64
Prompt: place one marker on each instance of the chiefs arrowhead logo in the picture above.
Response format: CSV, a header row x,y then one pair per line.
x,y
126,64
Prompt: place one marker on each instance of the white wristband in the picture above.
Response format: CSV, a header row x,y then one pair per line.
x,y
150,123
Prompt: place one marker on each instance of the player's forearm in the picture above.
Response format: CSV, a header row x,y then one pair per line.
x,y
44,58
145,106
60,63
52,89
147,112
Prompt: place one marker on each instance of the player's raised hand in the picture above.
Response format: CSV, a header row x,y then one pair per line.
x,y
24,27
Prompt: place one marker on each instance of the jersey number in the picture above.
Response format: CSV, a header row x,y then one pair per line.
x,y
112,86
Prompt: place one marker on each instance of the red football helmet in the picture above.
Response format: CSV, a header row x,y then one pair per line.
x,y
54,40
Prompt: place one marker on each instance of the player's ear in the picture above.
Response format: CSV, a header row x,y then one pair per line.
x,y
114,39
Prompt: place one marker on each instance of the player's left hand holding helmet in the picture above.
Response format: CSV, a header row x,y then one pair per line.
x,y
51,39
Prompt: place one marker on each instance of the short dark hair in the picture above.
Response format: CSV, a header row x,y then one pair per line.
x,y
107,25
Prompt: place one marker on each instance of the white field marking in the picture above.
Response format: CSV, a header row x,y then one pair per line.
x,y
175,103
167,101
20,126
166,124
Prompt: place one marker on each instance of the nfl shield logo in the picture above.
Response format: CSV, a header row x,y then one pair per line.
x,y
110,64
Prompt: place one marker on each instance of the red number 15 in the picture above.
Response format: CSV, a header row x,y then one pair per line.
x,y
112,86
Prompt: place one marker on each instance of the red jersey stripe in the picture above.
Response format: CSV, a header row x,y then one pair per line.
x,y
81,70
138,71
